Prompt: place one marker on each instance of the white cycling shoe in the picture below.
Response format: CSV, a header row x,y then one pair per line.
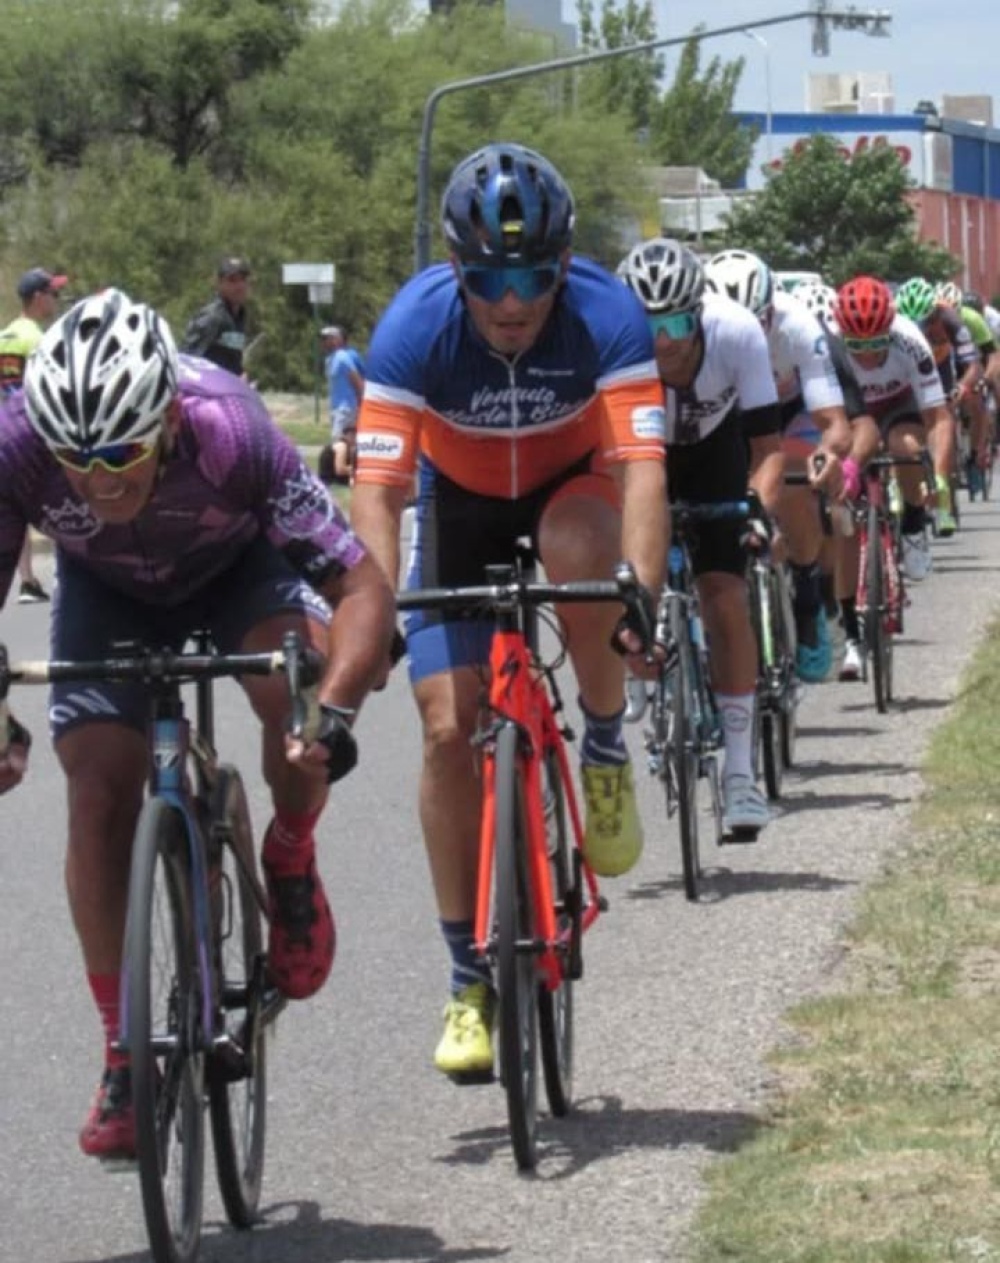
x,y
853,665
744,808
917,560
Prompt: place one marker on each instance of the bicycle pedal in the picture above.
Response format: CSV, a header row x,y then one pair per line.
x,y
472,1078
602,903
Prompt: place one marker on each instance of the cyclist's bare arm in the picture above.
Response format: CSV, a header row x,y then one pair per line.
x,y
767,470
376,515
645,518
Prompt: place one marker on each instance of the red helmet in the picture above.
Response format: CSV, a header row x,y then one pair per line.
x,y
864,307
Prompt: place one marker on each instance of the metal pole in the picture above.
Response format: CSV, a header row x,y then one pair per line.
x,y
767,88
422,236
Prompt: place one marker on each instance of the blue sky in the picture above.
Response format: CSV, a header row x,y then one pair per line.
x,y
935,48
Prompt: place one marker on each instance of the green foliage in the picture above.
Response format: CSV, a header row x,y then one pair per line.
x,y
693,124
821,213
629,84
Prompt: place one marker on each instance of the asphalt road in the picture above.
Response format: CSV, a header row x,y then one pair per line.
x,y
373,1156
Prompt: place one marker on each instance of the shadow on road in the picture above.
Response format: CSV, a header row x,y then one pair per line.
x,y
721,883
600,1128
831,802
903,704
297,1231
807,770
823,733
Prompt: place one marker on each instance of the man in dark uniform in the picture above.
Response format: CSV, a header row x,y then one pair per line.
x,y
218,331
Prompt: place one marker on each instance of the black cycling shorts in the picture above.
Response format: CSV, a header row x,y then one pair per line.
x,y
713,470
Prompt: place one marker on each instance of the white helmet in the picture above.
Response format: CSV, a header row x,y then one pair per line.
x,y
103,374
948,292
664,275
742,276
818,298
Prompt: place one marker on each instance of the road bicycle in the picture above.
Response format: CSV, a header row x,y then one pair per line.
x,y
536,893
881,591
195,999
683,739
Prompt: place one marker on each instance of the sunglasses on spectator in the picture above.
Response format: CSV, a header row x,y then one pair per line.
x,y
528,283
675,324
116,458
868,345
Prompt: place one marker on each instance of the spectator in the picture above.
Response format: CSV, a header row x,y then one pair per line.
x,y
218,331
38,291
345,374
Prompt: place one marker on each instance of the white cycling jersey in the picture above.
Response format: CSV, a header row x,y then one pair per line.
x,y
800,356
907,380
735,373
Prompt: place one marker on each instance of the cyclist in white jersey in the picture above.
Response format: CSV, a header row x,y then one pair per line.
x,y
902,388
721,399
814,421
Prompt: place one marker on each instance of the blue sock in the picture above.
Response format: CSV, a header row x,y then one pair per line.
x,y
603,742
466,966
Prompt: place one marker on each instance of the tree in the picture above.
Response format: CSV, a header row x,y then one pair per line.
x,y
622,84
693,125
838,215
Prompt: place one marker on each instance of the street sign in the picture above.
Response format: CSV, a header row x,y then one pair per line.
x,y
321,293
308,273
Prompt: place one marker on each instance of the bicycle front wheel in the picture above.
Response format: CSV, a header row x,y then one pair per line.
x,y
237,1080
516,981
163,998
555,1006
684,746
768,708
876,634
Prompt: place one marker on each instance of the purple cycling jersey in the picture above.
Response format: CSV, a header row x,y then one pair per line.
x,y
230,477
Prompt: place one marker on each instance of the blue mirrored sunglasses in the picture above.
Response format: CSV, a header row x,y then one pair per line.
x,y
528,283
675,324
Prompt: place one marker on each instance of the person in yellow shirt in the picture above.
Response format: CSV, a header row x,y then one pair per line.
x,y
39,292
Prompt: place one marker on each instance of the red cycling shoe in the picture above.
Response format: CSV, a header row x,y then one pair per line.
x,y
109,1131
303,938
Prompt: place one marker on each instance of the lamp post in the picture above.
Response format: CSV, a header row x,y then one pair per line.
x,y
871,21
758,38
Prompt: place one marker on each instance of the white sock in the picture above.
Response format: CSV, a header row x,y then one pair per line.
x,y
737,714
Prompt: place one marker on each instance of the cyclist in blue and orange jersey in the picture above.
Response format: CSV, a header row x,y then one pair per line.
x,y
814,424
902,389
175,503
522,381
960,370
723,432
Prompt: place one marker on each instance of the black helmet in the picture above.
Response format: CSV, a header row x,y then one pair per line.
x,y
505,204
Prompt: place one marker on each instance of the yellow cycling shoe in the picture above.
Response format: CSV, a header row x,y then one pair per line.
x,y
466,1047
613,837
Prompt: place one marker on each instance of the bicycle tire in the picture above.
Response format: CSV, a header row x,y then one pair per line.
x,y
516,982
163,1006
781,603
875,611
238,1106
767,712
893,616
684,743
555,1007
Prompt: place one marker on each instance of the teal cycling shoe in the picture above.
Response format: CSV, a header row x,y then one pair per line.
x,y
814,662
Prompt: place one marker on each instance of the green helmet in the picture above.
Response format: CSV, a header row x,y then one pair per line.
x,y
916,298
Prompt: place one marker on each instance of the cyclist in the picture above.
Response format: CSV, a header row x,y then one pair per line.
x,y
713,362
516,375
175,503
902,389
973,305
969,399
820,300
813,422
958,364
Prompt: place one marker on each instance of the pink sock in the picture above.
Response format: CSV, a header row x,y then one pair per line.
x,y
104,988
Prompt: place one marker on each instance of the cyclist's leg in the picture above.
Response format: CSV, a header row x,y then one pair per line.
x,y
716,469
99,733
579,538
249,608
866,440
904,435
801,527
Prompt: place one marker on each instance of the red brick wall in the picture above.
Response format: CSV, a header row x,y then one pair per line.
x,y
968,227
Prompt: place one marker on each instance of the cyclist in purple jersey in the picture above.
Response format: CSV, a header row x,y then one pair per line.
x,y
175,503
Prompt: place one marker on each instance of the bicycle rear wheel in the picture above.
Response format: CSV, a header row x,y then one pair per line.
x,y
555,1007
163,1000
684,746
237,1073
516,975
876,634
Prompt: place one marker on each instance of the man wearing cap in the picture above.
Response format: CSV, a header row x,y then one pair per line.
x,y
218,331
345,375
38,291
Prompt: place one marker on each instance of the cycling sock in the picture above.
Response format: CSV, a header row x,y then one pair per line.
x,y
829,594
603,742
807,603
849,613
913,520
104,988
736,712
290,830
467,966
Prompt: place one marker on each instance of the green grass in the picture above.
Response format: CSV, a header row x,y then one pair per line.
x,y
883,1143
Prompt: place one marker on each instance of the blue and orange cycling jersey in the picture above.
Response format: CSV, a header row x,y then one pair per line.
x,y
503,426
